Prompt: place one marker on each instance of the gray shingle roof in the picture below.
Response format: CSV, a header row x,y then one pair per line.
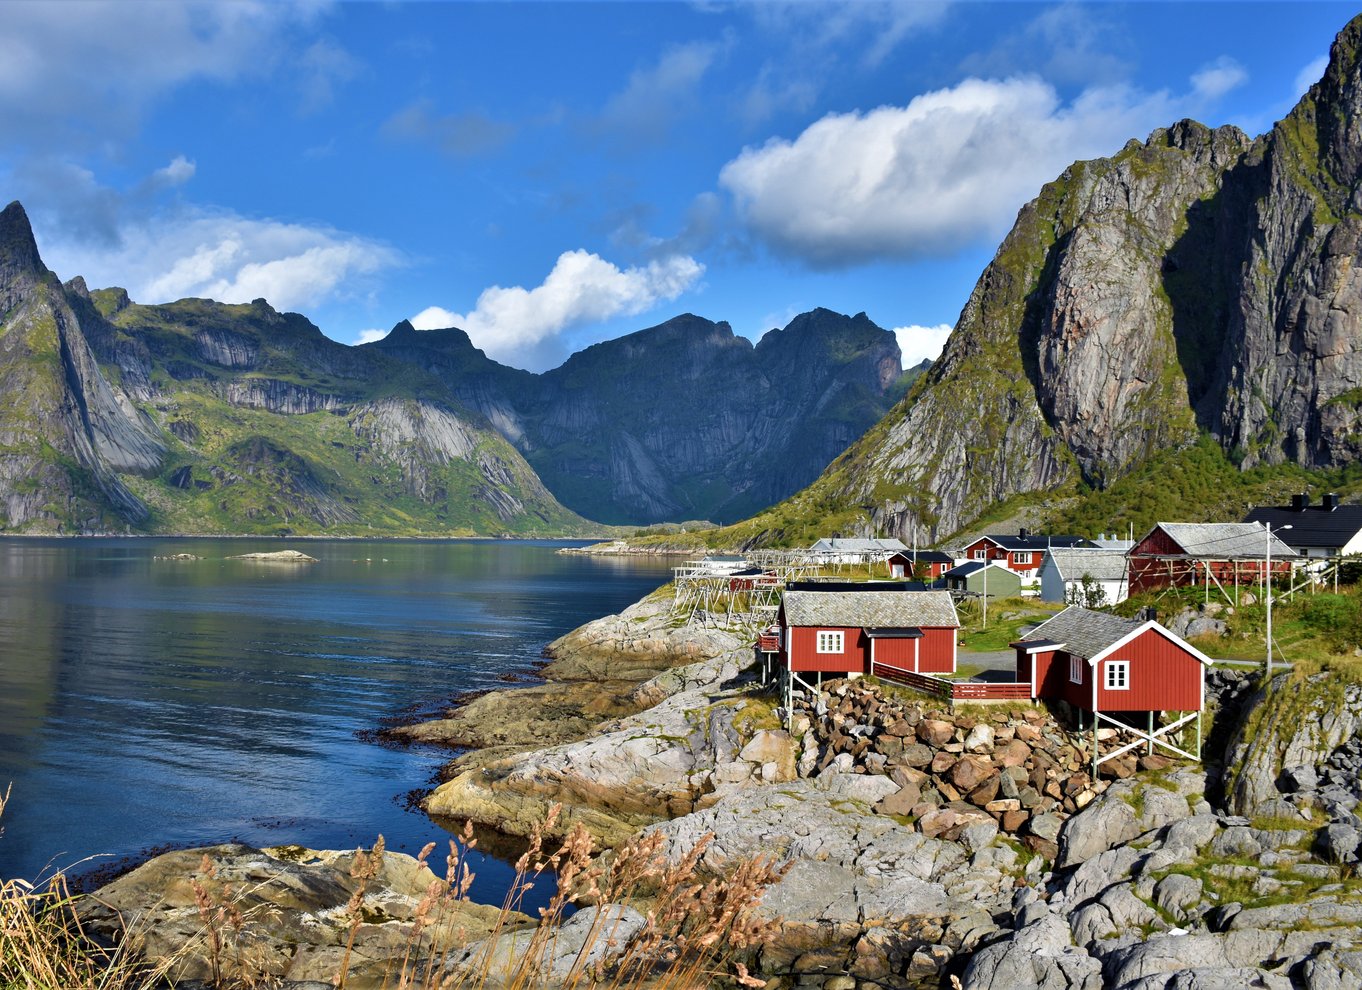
x,y
1083,632
1225,540
870,609
1100,565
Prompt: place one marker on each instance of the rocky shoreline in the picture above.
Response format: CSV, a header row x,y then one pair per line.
x,y
926,845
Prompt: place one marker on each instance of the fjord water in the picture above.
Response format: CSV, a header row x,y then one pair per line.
x,y
147,702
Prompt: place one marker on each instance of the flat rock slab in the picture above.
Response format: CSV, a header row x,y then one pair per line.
x,y
277,557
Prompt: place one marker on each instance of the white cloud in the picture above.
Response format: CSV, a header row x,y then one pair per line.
x,y
369,336
85,69
177,173
1219,77
582,287
916,342
460,135
1310,74
645,108
222,255
435,318
949,169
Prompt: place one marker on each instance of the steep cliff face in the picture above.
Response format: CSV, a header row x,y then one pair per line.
x,y
203,417
682,420
66,431
1196,284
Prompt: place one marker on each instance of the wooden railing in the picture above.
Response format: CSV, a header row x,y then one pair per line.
x,y
953,690
769,642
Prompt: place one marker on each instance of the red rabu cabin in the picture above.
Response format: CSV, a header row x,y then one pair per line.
x,y
1228,554
1104,663
853,632
1023,553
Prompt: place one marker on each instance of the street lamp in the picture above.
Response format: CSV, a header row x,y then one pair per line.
x,y
1267,588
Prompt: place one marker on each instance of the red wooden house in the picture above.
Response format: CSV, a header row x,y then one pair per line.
x,y
1023,553
1176,554
933,564
1108,665
853,632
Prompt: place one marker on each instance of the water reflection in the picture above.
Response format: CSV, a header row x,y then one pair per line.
x,y
152,701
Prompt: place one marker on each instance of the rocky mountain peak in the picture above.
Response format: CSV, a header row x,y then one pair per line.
x,y
20,264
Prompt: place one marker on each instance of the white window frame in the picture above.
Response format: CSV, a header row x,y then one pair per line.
x,y
1022,557
981,554
831,641
1075,670
1114,671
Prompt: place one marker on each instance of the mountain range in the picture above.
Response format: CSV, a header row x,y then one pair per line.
x,y
204,417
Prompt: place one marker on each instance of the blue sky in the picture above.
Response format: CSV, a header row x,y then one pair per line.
x,y
549,175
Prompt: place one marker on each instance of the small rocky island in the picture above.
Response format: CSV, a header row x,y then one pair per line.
x,y
277,557
919,844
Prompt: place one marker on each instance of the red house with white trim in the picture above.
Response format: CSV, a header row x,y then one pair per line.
x,y
1108,665
1023,553
853,632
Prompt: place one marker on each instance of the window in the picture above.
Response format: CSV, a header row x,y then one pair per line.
x,y
830,642
1075,670
1118,675
980,554
1023,557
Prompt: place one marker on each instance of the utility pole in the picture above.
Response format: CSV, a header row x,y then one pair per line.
x,y
1267,587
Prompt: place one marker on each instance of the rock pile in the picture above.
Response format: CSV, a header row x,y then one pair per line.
x,y
1016,767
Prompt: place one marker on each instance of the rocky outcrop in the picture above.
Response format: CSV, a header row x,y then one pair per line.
x,y
1164,900
1300,752
284,398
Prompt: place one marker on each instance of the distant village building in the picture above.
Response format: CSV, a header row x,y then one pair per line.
x,y
933,563
722,564
850,632
849,550
1325,530
1088,577
1118,670
1023,553
979,577
1225,554
1112,542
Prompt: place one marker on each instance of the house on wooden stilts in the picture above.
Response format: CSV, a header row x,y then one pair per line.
x,y
1121,672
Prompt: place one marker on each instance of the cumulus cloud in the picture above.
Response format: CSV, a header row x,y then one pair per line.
x,y
460,135
949,169
917,342
582,287
371,335
222,255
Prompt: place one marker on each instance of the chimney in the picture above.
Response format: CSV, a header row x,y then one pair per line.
x,y
1330,502
1300,502
1023,532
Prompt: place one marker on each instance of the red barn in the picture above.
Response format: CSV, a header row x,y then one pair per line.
x,y
1176,554
1023,553
850,632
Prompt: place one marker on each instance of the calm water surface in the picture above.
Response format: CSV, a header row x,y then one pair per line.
x,y
150,701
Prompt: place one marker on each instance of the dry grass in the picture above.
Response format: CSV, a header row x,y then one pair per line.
x,y
694,929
